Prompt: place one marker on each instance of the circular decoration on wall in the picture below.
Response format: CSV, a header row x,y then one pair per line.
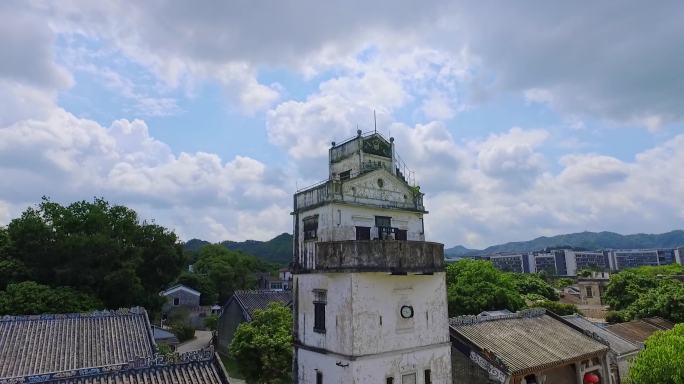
x,y
406,311
381,183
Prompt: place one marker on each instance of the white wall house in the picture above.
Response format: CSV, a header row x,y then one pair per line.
x,y
369,292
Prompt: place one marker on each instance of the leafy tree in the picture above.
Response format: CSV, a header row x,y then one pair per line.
x,y
31,298
666,300
613,317
562,282
647,291
202,283
556,307
474,286
528,283
263,347
96,248
179,322
625,287
11,270
211,322
228,270
661,360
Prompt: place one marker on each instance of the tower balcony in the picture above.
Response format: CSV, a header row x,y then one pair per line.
x,y
392,256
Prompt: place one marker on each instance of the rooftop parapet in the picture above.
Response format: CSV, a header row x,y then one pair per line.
x,y
330,191
394,256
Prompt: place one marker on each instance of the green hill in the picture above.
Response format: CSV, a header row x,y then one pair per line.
x,y
581,240
277,250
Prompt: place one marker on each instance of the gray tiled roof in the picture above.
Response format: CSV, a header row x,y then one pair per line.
x,y
197,367
252,300
38,344
640,330
191,373
617,344
526,341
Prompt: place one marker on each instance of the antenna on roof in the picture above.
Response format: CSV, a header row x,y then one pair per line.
x,y
375,122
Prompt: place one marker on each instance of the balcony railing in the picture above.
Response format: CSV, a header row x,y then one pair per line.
x,y
377,255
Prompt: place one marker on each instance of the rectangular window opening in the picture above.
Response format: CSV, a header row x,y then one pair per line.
x,y
320,299
310,227
384,225
590,293
346,175
319,377
176,301
389,380
363,233
408,379
428,377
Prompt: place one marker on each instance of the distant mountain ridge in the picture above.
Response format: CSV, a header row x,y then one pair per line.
x,y
581,240
277,250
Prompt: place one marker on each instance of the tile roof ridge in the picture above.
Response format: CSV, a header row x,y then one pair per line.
x,y
139,364
474,319
133,311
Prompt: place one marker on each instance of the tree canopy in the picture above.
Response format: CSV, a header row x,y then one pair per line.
x,y
99,249
474,286
661,360
647,291
30,298
533,284
263,347
220,271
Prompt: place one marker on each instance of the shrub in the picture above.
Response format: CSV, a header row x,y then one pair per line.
x,y
615,317
183,331
556,307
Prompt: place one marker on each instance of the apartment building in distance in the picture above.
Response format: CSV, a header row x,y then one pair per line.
x,y
568,262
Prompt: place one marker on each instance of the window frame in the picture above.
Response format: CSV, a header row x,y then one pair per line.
x,y
320,300
310,227
366,232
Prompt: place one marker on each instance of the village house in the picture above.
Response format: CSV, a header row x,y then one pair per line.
x,y
369,292
592,287
637,331
530,346
181,299
622,351
240,308
281,281
113,347
180,296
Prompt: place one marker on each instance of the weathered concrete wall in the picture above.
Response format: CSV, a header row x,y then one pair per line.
x,y
378,298
186,299
338,311
230,318
561,375
377,368
363,319
379,188
596,290
379,255
337,222
465,371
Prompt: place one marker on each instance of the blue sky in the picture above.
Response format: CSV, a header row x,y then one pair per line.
x,y
519,120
